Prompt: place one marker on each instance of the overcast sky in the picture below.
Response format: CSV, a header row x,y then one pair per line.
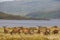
x,y
52,4
5,0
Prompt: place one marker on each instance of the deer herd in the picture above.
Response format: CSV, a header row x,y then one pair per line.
x,y
32,30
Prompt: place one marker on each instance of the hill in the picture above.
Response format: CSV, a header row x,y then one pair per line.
x,y
8,16
15,17
48,15
26,7
32,10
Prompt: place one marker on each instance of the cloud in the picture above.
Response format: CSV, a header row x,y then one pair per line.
x,y
43,5
6,0
56,0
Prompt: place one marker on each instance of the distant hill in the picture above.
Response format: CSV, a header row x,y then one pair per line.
x,y
15,17
8,16
30,10
24,8
48,15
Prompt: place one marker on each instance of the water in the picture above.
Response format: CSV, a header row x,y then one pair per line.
x,y
29,23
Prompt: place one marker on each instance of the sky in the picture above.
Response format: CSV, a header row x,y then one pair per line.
x,y
5,0
39,5
29,0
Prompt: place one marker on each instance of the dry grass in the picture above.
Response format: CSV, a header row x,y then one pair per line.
x,y
4,36
22,36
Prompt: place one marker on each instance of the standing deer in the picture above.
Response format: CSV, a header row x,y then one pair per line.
x,y
15,30
6,30
47,31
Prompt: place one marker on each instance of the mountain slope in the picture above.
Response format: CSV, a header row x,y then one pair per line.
x,y
34,9
15,17
8,16
53,14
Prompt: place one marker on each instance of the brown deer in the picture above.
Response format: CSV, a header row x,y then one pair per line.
x,y
55,31
47,31
15,30
6,30
26,31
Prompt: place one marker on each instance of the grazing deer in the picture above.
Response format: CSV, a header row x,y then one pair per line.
x,y
6,30
38,31
55,31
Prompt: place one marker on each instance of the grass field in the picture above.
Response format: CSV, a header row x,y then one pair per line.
x,y
28,37
22,36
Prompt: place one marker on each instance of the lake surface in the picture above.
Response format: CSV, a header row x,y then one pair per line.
x,y
29,23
